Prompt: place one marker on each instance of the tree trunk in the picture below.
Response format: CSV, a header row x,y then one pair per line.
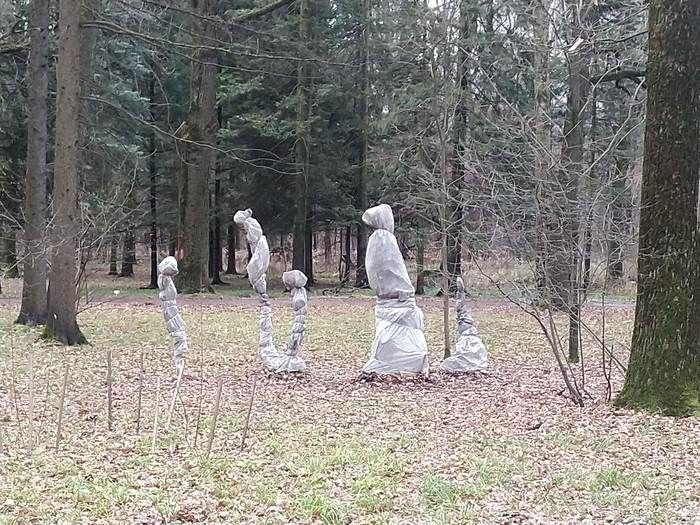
x,y
217,260
542,138
153,284
566,252
231,250
301,242
113,248
128,253
61,322
420,263
363,147
327,246
172,244
197,142
664,366
345,276
454,199
620,203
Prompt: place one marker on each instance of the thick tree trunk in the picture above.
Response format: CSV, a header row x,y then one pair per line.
x,y
61,322
664,367
197,142
363,148
301,244
128,253
231,250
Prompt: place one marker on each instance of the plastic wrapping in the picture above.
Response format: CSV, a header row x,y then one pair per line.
x,y
167,269
257,269
290,360
399,345
470,352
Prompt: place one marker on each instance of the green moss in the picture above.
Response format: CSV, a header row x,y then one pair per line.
x,y
679,401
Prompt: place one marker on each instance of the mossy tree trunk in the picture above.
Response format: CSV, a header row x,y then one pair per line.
x,y
664,368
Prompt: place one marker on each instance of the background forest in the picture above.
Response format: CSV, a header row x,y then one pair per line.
x,y
479,122
544,150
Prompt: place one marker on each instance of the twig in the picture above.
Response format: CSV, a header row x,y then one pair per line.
x,y
201,395
250,410
61,404
155,418
13,386
109,390
215,415
30,413
181,368
139,395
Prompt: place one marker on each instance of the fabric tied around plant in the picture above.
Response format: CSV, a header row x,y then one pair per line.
x,y
167,269
399,345
470,353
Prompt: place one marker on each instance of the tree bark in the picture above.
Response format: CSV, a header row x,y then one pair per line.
x,y
231,250
565,276
664,367
197,142
217,259
363,148
301,242
454,200
153,171
113,248
128,253
61,323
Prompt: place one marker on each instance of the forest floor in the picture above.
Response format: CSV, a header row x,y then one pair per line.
x,y
505,446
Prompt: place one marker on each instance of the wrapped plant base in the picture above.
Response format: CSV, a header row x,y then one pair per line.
x,y
470,352
399,345
257,269
167,269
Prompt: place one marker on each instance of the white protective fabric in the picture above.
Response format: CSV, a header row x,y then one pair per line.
x,y
399,345
470,352
167,269
257,269
290,360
